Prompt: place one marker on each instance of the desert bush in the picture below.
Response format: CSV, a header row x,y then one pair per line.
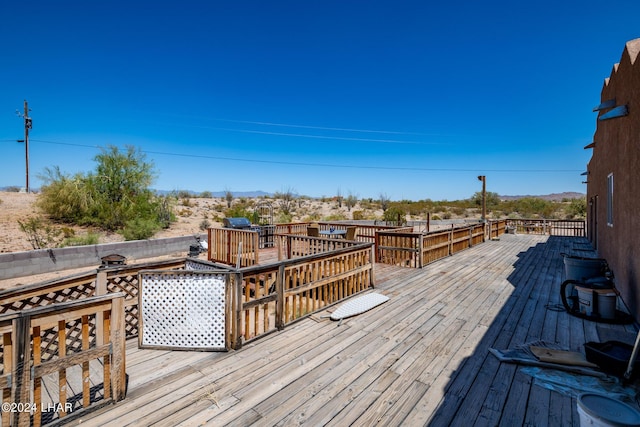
x,y
111,197
286,201
338,216
206,195
394,214
228,196
313,217
284,218
40,234
357,215
68,232
577,208
139,229
238,211
88,239
204,224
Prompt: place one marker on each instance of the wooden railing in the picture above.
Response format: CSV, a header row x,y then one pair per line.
x,y
266,298
364,233
552,227
95,282
497,228
409,249
47,344
296,246
227,245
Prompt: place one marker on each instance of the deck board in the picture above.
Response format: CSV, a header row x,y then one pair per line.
x,y
419,359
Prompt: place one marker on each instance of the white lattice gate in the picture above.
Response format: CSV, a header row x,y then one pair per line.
x,y
182,310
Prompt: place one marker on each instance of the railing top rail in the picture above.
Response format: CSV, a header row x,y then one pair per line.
x,y
544,220
88,276
339,223
270,267
66,306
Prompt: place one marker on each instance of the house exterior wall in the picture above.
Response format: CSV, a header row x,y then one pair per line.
x,y
616,153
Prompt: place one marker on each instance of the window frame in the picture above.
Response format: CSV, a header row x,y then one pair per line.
x,y
610,199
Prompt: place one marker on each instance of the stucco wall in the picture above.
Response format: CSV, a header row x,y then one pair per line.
x,y
18,264
617,151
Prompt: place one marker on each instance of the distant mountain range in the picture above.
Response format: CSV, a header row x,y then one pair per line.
x,y
248,194
556,197
258,193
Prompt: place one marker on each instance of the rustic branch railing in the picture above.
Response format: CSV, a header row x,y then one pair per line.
x,y
225,243
32,353
553,227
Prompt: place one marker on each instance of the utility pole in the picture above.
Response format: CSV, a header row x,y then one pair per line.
x,y
484,196
27,126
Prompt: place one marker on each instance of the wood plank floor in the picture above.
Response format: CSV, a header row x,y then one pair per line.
x,y
420,359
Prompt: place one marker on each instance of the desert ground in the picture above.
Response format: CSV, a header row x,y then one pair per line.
x,y
190,214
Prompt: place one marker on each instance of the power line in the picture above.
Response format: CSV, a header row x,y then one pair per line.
x,y
300,135
325,165
289,125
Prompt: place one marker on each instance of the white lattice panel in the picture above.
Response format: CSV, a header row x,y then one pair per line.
x,y
191,265
183,310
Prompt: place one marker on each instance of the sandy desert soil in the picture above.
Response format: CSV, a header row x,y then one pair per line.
x,y
190,213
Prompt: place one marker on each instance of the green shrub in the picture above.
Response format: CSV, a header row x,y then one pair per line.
x,y
139,229
205,224
284,218
238,210
39,234
109,198
394,214
89,239
357,215
339,216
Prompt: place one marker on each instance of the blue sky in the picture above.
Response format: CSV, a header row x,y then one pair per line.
x,y
409,99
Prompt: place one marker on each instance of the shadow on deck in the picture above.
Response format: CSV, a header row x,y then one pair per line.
x,y
494,393
420,359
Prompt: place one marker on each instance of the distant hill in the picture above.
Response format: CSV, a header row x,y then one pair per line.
x,y
247,194
556,197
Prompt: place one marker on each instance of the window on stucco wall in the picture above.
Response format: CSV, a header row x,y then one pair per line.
x,y
610,200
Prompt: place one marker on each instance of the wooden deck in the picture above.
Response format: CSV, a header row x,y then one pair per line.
x,y
420,359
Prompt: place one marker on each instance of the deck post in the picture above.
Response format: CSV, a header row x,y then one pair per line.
x,y
451,240
237,311
119,347
101,289
280,301
22,369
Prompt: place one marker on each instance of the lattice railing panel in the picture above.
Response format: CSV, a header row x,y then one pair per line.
x,y
127,284
49,337
183,310
71,293
131,321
